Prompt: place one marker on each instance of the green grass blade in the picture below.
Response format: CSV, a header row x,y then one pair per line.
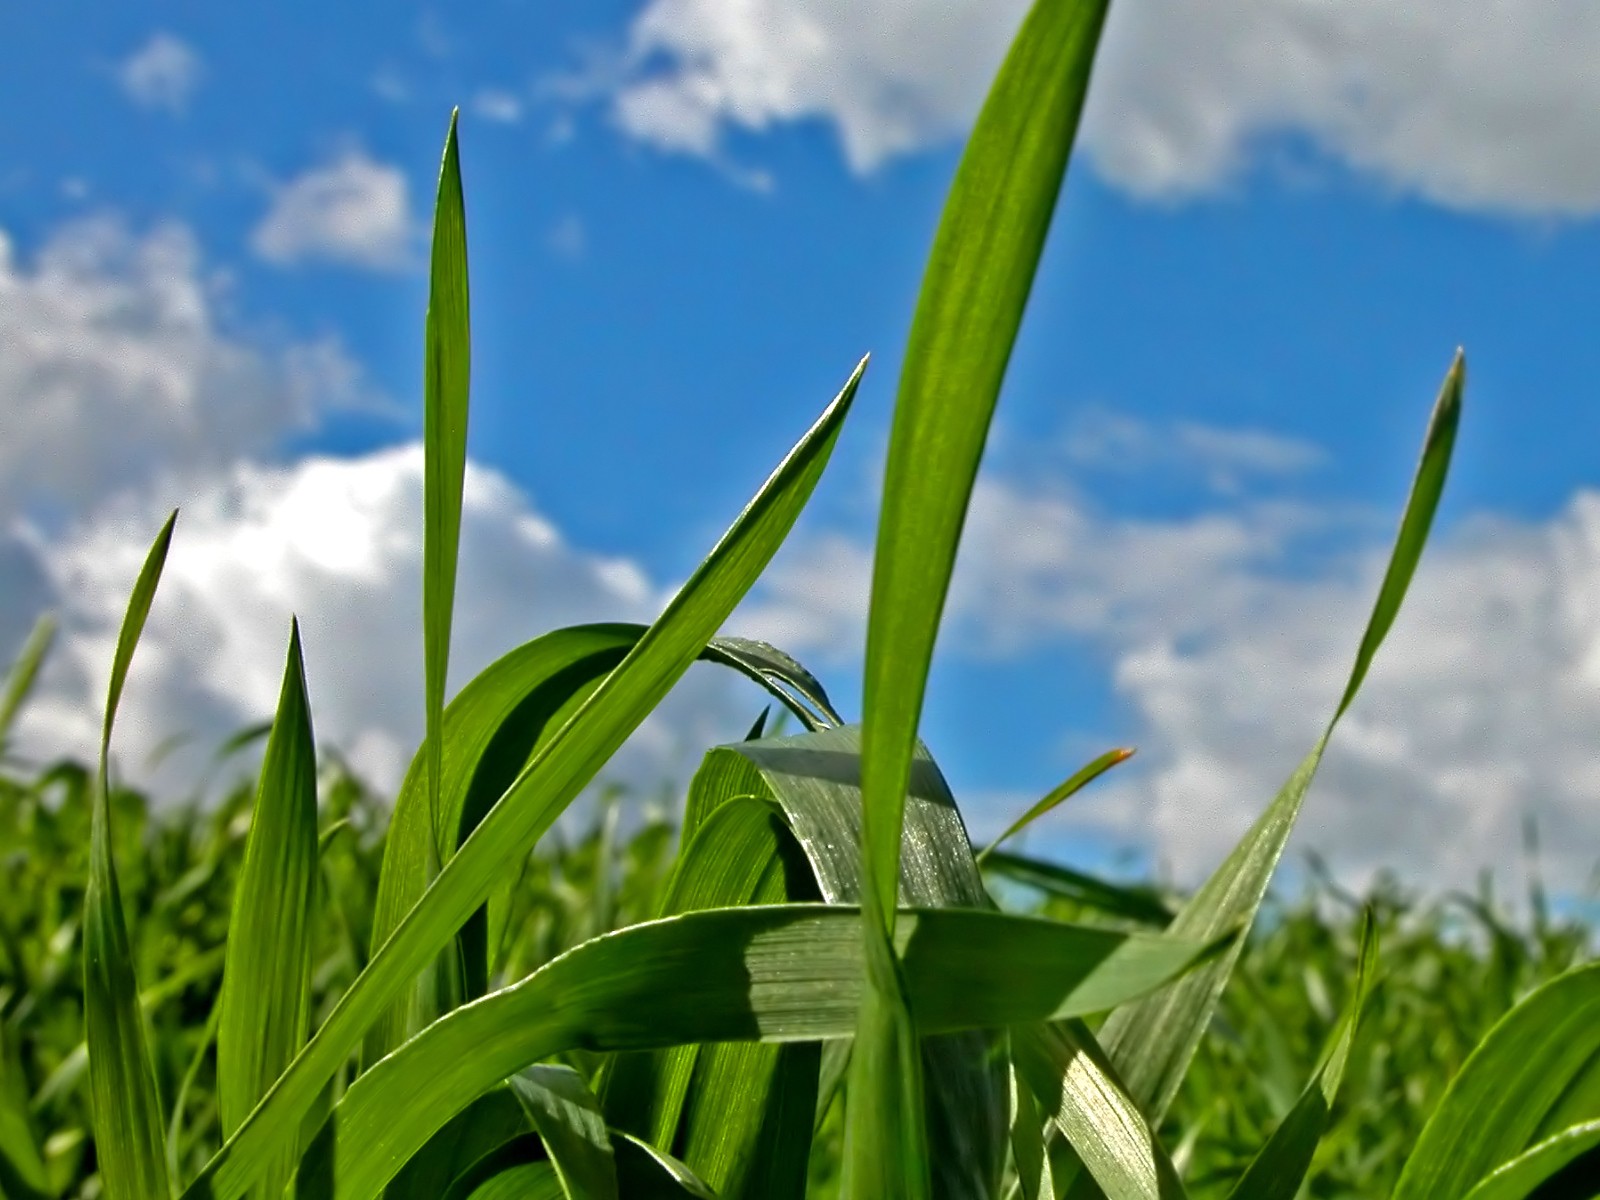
x,y
1279,1169
1066,1073
970,306
266,979
567,1118
1130,903
1029,1160
129,1141
1564,1166
24,671
1152,1042
785,973
1535,1074
1059,794
446,374
540,793
768,665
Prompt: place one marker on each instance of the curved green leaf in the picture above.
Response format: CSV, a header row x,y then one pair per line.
x,y
567,1118
129,1137
786,973
1565,1166
1535,1073
266,977
541,792
1139,904
516,1170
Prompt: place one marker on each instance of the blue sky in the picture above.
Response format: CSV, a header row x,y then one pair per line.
x,y
687,220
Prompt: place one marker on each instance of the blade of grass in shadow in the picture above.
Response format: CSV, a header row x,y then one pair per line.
x,y
129,1139
20,679
1131,903
1279,1168
22,1168
1535,1074
816,778
970,306
539,794
1152,1041
567,1118
738,1114
266,978
447,361
1062,792
782,973
517,1170
1562,1167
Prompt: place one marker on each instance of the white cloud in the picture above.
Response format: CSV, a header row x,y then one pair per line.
x,y
498,105
114,366
338,543
353,211
161,74
1224,459
1482,108
1482,709
568,238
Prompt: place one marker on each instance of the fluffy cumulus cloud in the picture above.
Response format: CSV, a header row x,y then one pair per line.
x,y
1482,709
337,542
162,74
1483,107
115,365
352,210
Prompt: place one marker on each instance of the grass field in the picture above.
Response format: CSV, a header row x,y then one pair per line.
x,y
807,983
1452,966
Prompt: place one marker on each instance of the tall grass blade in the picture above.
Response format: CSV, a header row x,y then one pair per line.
x,y
23,673
447,360
1278,1170
1058,795
785,973
976,286
1151,1042
539,794
22,1167
266,979
1534,1075
129,1140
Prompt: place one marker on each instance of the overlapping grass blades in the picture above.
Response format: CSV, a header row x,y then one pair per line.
x,y
541,791
769,973
976,287
266,982
491,731
129,1130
